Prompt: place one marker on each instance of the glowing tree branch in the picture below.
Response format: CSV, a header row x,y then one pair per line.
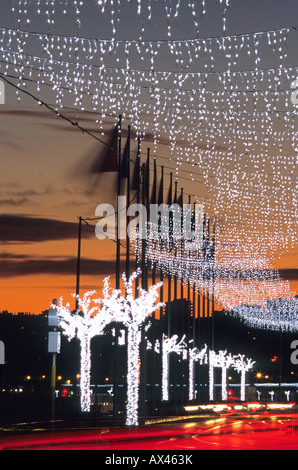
x,y
84,324
132,312
243,366
169,345
194,355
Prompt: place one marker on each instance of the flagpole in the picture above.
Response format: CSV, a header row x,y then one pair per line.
x,y
182,243
204,262
208,270
153,200
118,208
144,236
128,203
213,284
116,365
144,286
170,249
175,275
161,274
160,201
78,263
194,322
137,173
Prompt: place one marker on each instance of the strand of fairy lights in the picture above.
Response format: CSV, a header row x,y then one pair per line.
x,y
51,59
209,127
238,132
111,9
293,167
276,133
96,53
279,314
177,108
197,88
249,265
209,117
228,274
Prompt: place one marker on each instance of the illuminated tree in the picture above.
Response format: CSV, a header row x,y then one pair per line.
x,y
85,323
169,345
242,366
194,355
132,312
223,361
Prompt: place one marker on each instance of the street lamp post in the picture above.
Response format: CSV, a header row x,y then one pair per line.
x,y
53,348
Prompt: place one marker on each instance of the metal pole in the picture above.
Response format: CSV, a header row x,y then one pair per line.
x,y
116,364
138,163
128,203
78,263
53,386
118,215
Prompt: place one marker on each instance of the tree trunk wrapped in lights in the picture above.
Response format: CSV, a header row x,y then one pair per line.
x,y
194,355
226,361
169,345
223,361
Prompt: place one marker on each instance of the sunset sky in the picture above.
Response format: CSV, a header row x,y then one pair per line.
x,y
45,187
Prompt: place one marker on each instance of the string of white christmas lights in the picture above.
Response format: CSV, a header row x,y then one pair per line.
x,y
250,184
112,11
278,314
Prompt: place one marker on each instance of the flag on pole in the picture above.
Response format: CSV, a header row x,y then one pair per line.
x,y
160,192
107,161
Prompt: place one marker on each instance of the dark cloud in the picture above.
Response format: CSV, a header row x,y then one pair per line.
x,y
34,113
18,228
59,266
12,256
14,201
